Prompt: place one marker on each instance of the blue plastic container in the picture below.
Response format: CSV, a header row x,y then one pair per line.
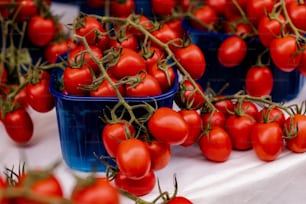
x,y
80,127
286,84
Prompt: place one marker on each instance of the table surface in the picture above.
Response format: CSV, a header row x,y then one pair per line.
x,y
241,179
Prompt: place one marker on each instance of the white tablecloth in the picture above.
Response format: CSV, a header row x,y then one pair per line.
x,y
241,179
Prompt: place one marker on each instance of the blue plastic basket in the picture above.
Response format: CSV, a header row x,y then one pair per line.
x,y
286,84
80,126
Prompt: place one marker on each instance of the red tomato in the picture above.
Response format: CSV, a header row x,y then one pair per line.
x,y
95,4
216,145
133,158
130,63
267,140
3,185
284,53
163,8
168,126
259,81
297,14
269,28
239,129
79,56
176,25
247,107
41,184
257,8
114,133
19,126
219,6
25,10
146,85
302,65
271,114
192,59
139,187
89,27
207,15
53,50
3,74
39,96
122,8
296,126
140,20
128,40
105,89
225,106
194,121
151,55
188,97
165,34
160,154
41,31
74,78
213,119
164,74
179,200
99,190
232,51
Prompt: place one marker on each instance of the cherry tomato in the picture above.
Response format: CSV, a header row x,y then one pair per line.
x,y
128,40
165,34
168,126
216,145
225,106
257,8
205,14
267,140
95,4
188,96
105,89
259,81
247,107
41,31
130,63
213,119
232,51
122,8
176,25
55,49
160,154
284,53
3,185
98,190
297,14
164,74
151,55
89,27
146,85
219,6
40,183
74,78
194,121
271,114
79,56
133,158
179,200
295,126
19,125
302,65
163,8
39,96
269,28
138,187
140,20
239,129
114,133
192,59
25,10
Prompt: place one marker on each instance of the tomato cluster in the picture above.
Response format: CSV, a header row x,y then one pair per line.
x,y
259,35
29,29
